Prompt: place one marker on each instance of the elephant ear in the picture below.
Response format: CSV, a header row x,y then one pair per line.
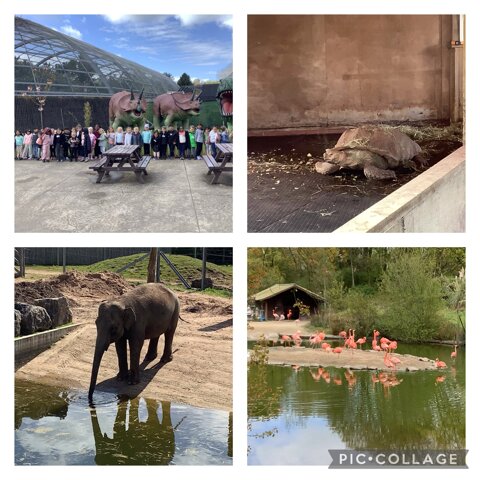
x,y
128,318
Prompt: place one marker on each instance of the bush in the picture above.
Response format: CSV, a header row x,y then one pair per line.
x,y
362,310
411,298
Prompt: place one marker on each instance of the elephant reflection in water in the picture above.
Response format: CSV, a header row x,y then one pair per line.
x,y
134,442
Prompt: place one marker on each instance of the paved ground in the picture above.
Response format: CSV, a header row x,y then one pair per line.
x,y
177,197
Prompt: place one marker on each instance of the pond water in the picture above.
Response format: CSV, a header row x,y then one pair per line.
x,y
55,426
297,414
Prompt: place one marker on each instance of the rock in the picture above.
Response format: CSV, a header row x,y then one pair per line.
x,y
197,283
57,309
34,318
18,323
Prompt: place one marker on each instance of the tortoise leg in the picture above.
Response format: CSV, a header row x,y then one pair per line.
x,y
378,174
326,168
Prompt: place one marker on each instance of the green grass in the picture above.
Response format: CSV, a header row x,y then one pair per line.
x,y
190,268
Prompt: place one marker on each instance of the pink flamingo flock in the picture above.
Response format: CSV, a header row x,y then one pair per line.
x,y
384,345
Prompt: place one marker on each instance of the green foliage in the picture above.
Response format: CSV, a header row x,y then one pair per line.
x,y
362,311
209,115
87,114
184,80
412,298
259,353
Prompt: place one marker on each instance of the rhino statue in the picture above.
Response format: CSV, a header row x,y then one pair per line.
x,y
175,108
127,110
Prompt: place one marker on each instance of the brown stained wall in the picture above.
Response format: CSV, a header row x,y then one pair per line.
x,y
344,69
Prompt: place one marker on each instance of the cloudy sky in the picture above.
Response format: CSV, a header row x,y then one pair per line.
x,y
200,45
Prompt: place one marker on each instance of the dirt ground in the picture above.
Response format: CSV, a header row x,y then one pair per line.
x,y
301,356
200,373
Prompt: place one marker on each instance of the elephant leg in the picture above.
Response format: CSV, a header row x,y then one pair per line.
x,y
135,349
167,351
152,349
121,347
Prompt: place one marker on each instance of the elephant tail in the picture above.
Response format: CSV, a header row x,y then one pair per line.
x,y
184,319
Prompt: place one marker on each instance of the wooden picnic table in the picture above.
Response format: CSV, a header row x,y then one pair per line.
x,y
127,158
218,164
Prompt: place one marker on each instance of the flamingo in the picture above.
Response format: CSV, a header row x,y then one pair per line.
x,y
289,314
297,338
338,350
337,381
454,354
343,334
375,379
376,333
275,315
395,360
440,379
388,363
282,317
440,364
392,346
286,339
361,341
326,346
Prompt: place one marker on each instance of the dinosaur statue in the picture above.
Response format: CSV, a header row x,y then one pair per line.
x,y
175,108
225,100
127,110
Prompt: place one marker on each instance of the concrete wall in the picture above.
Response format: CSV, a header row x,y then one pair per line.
x,y
432,202
344,69
37,342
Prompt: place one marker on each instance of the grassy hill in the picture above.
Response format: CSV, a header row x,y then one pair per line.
x,y
190,268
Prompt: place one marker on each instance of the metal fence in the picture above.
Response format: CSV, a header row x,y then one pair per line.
x,y
87,256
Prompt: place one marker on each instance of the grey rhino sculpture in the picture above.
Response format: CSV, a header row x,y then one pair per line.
x,y
175,108
375,150
127,110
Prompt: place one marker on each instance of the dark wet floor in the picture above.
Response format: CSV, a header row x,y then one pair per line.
x,y
285,194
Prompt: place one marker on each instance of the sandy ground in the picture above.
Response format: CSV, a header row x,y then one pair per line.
x,y
272,329
354,359
200,373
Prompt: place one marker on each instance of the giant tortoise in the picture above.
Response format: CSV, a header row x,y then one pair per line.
x,y
375,150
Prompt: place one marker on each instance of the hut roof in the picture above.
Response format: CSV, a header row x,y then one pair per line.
x,y
278,288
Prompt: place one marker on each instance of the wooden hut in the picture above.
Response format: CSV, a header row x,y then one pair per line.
x,y
283,297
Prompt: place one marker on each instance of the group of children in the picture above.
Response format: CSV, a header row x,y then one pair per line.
x,y
84,144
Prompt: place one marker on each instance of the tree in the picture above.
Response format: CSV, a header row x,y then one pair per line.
x,y
184,80
167,74
87,114
412,297
152,265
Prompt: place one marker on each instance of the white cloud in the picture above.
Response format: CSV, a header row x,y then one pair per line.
x,y
115,17
71,31
189,20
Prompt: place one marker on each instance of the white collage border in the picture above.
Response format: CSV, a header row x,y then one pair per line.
x,y
239,239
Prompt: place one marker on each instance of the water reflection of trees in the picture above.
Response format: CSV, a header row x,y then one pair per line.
x,y
36,402
409,410
135,442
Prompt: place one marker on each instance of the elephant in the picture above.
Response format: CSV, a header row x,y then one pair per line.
x,y
145,312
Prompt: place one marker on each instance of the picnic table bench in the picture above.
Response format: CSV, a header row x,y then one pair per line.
x,y
128,159
218,164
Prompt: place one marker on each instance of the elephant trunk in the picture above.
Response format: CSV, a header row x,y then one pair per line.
x,y
97,358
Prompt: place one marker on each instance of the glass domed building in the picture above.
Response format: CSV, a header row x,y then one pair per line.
x,y
68,73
